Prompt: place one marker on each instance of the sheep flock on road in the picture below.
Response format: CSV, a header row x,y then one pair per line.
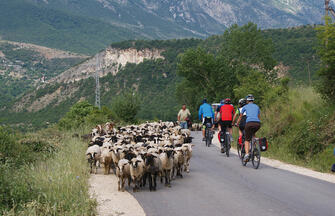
x,y
141,153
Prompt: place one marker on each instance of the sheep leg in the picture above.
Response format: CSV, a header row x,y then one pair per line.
x,y
169,172
91,165
166,177
154,181
123,182
105,168
118,184
145,179
173,172
134,184
180,170
150,182
96,167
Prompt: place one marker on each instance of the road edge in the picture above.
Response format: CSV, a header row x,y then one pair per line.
x,y
287,167
110,201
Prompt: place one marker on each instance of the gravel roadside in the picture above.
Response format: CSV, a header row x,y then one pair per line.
x,y
111,202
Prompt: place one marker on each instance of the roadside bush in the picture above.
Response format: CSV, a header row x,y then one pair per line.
x,y
84,114
55,186
126,106
76,116
307,141
300,129
11,151
15,187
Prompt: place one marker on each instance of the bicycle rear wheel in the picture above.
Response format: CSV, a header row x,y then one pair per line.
x,y
238,147
244,163
227,144
256,157
208,141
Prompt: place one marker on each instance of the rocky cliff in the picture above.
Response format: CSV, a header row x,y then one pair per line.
x,y
111,60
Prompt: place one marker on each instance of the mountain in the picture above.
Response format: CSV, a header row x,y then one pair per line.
x,y
24,66
149,67
202,17
87,26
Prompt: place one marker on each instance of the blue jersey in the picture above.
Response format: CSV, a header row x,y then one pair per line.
x,y
252,111
206,110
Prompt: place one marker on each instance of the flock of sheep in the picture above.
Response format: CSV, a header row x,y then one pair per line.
x,y
138,153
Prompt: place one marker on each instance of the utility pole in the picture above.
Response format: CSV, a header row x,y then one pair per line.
x,y
327,7
97,83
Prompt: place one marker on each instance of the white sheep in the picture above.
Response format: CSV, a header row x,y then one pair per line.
x,y
187,149
106,159
178,162
123,173
93,154
167,165
136,172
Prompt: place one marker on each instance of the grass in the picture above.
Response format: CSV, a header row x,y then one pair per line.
x,y
301,130
60,183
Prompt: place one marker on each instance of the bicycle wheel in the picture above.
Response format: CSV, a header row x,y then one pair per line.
x,y
242,156
227,143
208,141
256,157
238,147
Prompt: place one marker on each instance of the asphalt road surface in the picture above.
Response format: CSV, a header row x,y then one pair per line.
x,y
218,185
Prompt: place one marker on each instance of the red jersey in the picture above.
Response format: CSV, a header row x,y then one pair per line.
x,y
227,112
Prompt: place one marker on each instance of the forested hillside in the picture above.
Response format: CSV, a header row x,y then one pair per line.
x,y
153,79
156,80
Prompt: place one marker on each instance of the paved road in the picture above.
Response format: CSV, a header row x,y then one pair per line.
x,y
218,185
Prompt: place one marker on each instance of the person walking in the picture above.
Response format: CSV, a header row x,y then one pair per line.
x,y
183,115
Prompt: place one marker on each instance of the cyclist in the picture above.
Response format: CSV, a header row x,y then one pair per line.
x,y
242,102
217,111
206,114
253,122
227,112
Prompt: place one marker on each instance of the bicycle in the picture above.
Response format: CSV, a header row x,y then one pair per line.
x,y
255,153
208,134
225,141
238,145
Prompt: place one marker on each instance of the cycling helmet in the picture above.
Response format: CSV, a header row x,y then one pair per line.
x,y
227,101
242,102
222,101
250,97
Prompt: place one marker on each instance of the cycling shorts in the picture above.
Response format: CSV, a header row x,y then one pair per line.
x,y
250,129
227,124
207,120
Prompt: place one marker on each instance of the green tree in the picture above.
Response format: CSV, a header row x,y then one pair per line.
x,y
326,51
244,52
126,106
77,115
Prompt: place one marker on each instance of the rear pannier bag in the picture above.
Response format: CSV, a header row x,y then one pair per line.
x,y
263,144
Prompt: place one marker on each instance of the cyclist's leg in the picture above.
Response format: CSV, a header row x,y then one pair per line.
x,y
248,137
203,128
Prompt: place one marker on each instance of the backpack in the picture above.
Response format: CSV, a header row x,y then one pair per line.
x,y
263,144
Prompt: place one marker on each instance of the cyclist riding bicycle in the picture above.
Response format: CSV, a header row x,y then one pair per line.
x,y
206,114
253,122
227,112
242,102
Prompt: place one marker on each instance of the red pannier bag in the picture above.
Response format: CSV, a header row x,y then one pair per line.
x,y
263,144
